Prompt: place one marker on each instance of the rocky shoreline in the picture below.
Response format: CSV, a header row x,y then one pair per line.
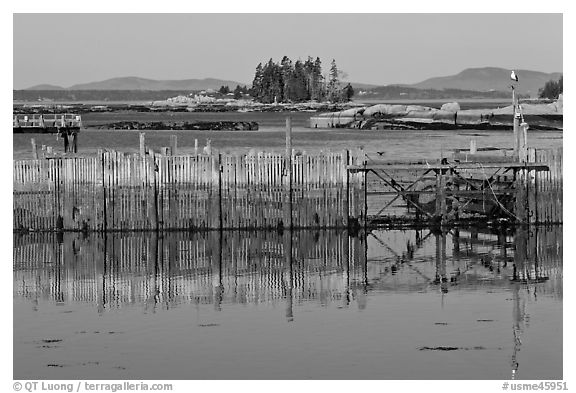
x,y
449,116
181,125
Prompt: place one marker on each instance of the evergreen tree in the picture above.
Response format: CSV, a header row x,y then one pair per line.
x,y
333,83
298,86
317,81
552,89
286,70
299,81
224,90
348,92
237,92
257,84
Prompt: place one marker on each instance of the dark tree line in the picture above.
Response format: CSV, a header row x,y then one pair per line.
x,y
298,81
552,89
238,92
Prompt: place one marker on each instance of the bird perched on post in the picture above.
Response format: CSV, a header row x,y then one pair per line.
x,y
513,76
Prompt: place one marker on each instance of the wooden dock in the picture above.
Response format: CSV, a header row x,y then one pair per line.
x,y
46,123
115,191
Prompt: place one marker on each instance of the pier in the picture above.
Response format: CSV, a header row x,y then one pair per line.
x,y
46,123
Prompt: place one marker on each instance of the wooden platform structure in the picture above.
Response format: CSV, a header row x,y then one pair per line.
x,y
454,191
46,123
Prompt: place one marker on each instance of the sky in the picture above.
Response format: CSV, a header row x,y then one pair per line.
x,y
66,49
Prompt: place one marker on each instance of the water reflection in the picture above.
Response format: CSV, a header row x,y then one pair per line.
x,y
162,272
323,305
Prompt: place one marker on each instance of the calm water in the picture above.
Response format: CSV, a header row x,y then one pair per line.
x,y
240,305
271,137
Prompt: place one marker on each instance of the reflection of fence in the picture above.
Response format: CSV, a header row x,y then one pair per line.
x,y
114,191
209,267
216,267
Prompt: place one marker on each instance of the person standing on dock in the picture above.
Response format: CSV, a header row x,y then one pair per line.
x,y
64,135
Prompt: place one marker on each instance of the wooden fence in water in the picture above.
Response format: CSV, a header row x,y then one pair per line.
x,y
117,191
544,190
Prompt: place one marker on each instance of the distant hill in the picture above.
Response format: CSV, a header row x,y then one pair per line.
x,y
135,83
490,78
45,87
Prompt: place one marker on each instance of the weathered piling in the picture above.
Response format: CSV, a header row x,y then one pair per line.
x,y
142,144
34,149
287,174
173,145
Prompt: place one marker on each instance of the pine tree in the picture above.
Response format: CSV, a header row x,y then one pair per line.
x,y
257,83
298,85
286,71
237,92
348,92
317,81
334,83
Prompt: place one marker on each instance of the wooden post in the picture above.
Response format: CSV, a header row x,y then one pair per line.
x,y
34,149
520,193
74,142
173,145
196,147
142,144
288,179
347,200
100,157
516,127
440,196
220,221
153,199
473,146
365,215
523,142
